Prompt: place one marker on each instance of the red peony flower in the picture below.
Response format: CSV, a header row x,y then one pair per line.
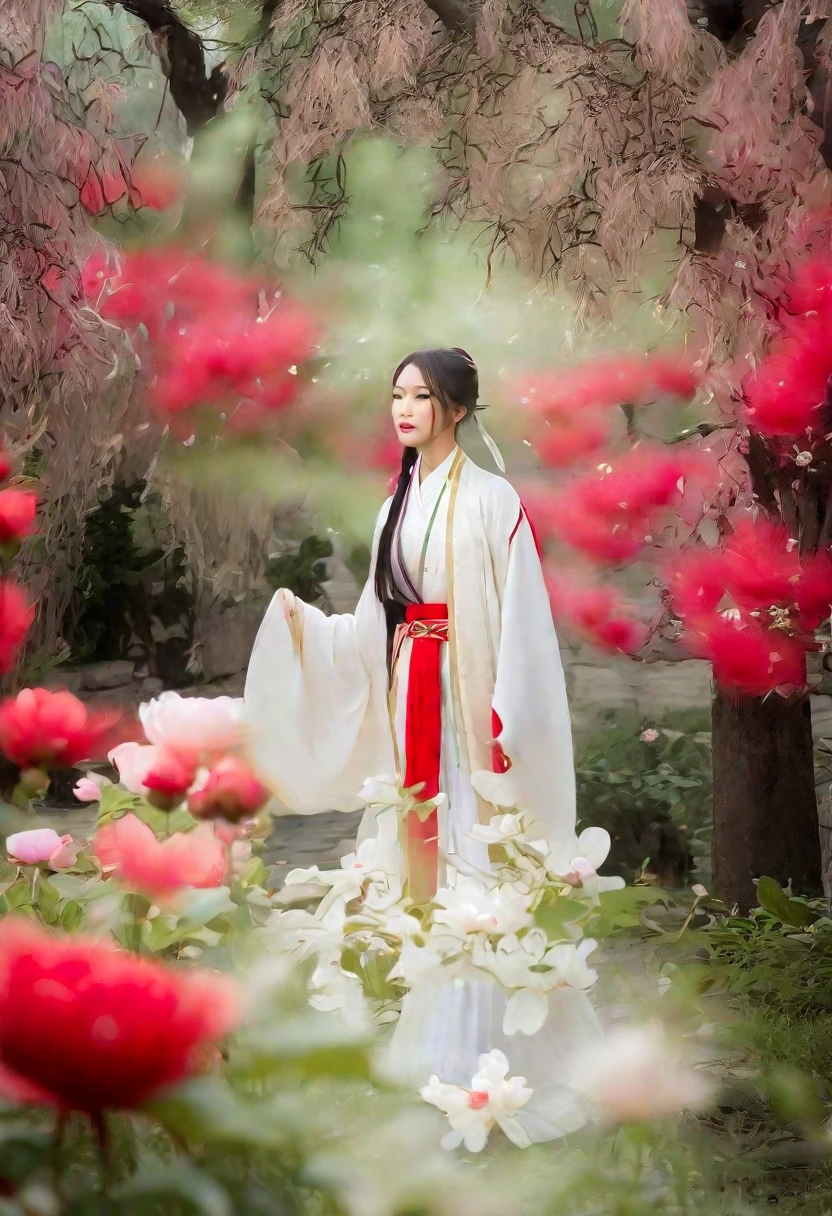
x,y
16,615
619,380
231,791
86,1027
785,393
156,184
747,657
697,582
17,515
168,779
599,613
813,593
160,869
43,729
610,513
761,567
6,463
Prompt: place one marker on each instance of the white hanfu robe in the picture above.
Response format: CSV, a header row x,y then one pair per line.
x,y
318,706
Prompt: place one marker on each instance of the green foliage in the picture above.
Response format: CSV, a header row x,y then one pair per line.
x,y
302,571
132,588
653,797
779,955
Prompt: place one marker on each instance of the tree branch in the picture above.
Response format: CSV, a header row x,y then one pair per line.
x,y
197,94
455,15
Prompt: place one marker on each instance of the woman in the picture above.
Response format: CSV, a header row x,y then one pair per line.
x,y
449,668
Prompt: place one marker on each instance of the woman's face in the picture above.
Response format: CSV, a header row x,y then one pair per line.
x,y
417,416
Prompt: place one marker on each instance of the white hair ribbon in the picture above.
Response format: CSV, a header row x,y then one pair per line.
x,y
496,454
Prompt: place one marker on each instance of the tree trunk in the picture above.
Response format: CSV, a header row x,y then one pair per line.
x,y
765,813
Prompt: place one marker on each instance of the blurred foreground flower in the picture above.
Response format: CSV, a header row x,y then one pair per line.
x,y
230,791
89,790
16,614
600,613
638,1074
86,1027
218,339
145,769
43,729
42,845
160,869
17,517
494,1098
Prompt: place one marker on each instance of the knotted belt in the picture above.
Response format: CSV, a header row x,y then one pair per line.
x,y
427,626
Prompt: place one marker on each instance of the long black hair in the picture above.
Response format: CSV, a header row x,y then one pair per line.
x,y
452,378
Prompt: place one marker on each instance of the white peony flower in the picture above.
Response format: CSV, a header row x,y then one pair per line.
x,y
471,907
638,1074
494,1098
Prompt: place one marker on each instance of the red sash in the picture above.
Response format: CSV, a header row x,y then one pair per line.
x,y
427,626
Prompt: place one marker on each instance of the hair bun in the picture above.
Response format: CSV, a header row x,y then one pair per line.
x,y
461,351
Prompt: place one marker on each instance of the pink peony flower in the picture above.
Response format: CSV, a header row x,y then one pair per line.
x,y
41,845
230,791
204,727
160,869
87,790
133,761
649,736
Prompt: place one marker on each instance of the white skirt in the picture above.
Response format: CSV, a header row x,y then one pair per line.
x,y
445,1027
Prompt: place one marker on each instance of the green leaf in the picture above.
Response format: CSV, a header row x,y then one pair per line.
x,y
312,1046
115,802
18,896
553,918
200,907
774,899
182,1181
23,1149
206,1110
620,909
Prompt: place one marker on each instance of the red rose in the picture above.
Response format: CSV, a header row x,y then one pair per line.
x,y
87,1027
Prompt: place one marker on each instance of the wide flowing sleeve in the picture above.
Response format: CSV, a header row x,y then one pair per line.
x,y
533,755
316,702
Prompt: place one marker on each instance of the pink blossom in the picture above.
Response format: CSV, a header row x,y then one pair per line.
x,y
133,762
649,736
41,845
160,869
230,791
87,790
206,727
